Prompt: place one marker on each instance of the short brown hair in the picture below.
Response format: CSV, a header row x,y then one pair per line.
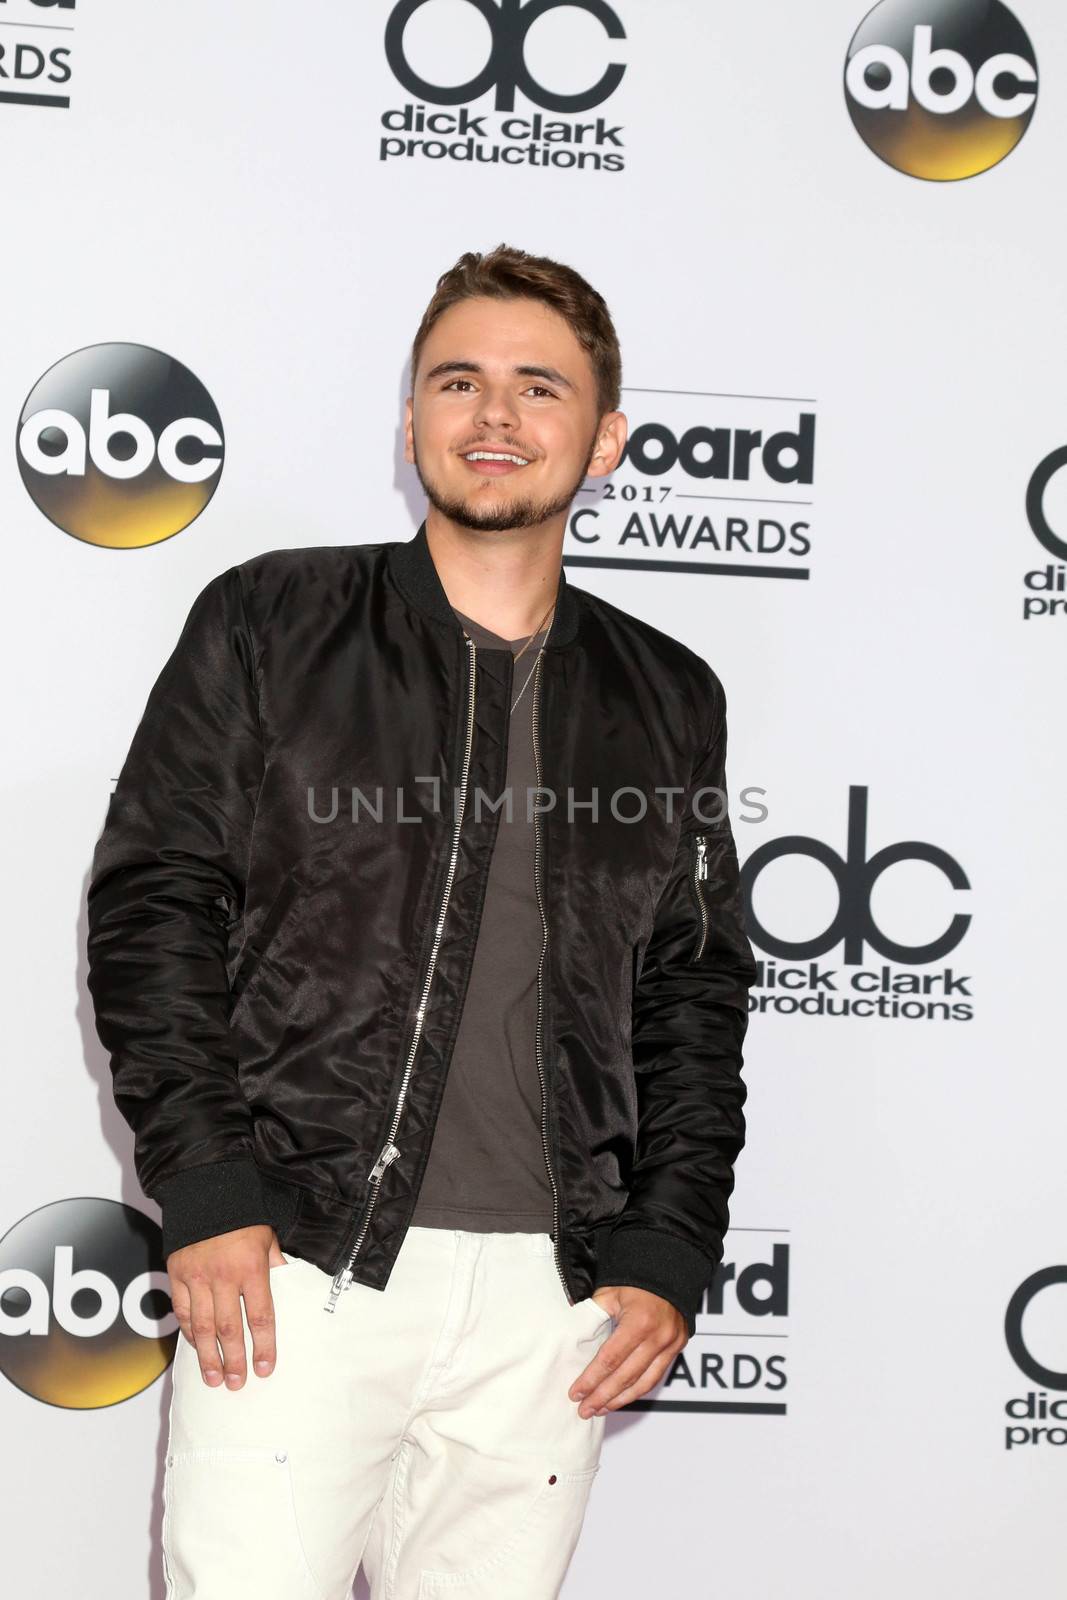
x,y
509,274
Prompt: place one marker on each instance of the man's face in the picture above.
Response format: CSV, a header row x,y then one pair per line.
x,y
503,424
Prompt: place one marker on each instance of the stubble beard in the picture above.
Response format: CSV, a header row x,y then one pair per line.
x,y
523,513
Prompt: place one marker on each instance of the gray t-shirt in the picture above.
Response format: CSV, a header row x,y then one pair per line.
x,y
486,1168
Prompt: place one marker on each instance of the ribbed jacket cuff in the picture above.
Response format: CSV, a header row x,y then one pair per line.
x,y
649,1258
217,1197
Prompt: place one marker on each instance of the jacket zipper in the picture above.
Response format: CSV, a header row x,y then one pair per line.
x,y
540,969
700,872
389,1152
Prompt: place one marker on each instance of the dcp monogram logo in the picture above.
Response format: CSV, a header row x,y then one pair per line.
x,y
941,89
509,24
1019,1304
855,875
1035,502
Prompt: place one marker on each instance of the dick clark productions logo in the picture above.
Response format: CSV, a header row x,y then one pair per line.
x,y
120,445
897,987
417,38
1046,586
1040,1415
941,89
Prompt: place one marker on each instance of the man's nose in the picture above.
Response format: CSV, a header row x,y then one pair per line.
x,y
496,408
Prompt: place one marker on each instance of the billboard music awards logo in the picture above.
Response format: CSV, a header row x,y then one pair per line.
x,y
708,483
941,89
505,83
85,1312
871,973
35,68
1035,1328
1046,511
120,445
735,1361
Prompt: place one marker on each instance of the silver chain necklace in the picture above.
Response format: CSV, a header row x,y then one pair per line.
x,y
522,652
529,675
543,624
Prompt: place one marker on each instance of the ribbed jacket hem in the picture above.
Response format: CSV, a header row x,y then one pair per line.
x,y
661,1262
218,1197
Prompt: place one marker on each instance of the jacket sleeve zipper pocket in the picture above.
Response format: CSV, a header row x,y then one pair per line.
x,y
700,873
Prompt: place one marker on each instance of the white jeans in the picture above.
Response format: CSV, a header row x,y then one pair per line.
x,y
424,1429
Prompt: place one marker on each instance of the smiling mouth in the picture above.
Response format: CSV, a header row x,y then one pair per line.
x,y
494,463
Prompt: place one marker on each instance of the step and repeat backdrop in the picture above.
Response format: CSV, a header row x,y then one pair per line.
x,y
832,238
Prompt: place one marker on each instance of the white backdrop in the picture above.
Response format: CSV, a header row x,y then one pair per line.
x,y
215,190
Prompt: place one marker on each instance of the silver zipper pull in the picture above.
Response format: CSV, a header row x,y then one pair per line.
x,y
702,857
387,1157
342,1280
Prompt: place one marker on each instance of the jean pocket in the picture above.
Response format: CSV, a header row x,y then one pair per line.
x,y
533,1560
594,1313
230,1524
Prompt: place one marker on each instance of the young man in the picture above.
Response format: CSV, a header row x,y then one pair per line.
x,y
415,936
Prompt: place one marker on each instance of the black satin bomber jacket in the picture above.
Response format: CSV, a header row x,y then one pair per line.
x,y
278,971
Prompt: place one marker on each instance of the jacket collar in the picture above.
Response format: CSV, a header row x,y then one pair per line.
x,y
416,575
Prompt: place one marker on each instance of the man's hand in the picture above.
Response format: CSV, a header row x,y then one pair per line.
x,y
207,1282
648,1335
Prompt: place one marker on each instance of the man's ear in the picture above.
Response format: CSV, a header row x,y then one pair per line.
x,y
610,444
409,431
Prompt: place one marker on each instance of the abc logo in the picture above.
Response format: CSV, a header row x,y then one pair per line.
x,y
85,1312
941,89
505,69
120,445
